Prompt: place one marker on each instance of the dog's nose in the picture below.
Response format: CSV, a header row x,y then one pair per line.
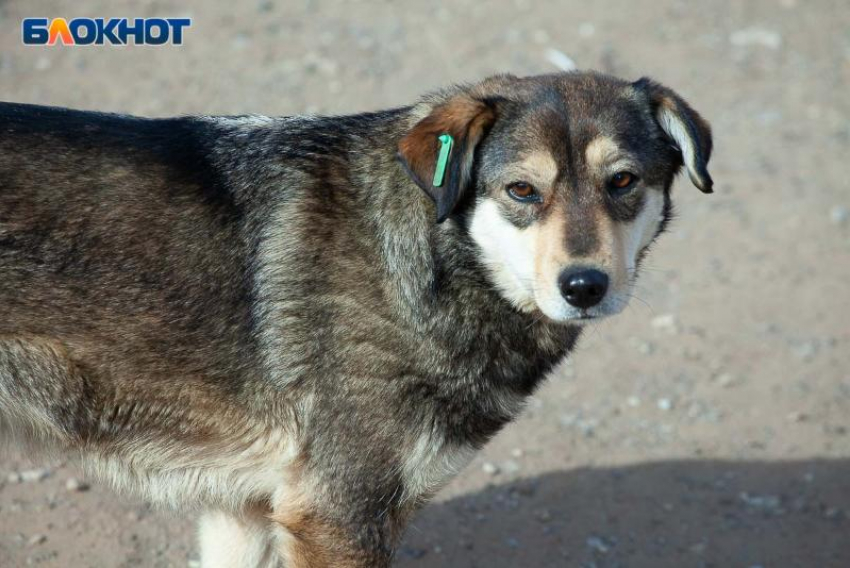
x,y
584,288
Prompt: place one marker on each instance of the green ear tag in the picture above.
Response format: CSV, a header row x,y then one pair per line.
x,y
446,142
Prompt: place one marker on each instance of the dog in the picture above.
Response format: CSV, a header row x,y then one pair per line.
x,y
303,327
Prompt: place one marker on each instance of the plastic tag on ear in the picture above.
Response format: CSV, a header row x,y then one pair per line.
x,y
446,142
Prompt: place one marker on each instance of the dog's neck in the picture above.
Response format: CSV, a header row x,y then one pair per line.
x,y
440,288
424,279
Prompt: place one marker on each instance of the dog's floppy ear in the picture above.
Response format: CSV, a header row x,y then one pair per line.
x,y
466,119
686,128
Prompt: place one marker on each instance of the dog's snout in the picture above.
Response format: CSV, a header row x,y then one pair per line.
x,y
583,288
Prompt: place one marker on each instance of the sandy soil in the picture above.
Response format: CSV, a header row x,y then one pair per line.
x,y
709,425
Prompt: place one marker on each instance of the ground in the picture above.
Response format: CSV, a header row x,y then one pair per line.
x,y
708,425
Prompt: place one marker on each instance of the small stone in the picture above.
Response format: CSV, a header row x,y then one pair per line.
x,y
568,420
597,544
14,477
696,410
698,548
768,503
588,428
517,452
74,484
544,515
512,543
192,563
510,467
645,348
726,380
839,215
797,416
36,539
806,351
666,323
328,67
490,468
35,474
832,513
560,60
756,36
586,29
664,404
633,401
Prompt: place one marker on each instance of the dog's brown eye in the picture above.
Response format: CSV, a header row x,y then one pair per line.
x,y
523,191
622,180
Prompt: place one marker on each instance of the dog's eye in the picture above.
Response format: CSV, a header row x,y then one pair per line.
x,y
523,192
621,182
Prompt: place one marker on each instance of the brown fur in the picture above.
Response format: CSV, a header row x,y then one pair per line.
x,y
466,120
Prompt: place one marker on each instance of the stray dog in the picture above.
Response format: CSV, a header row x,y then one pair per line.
x,y
305,326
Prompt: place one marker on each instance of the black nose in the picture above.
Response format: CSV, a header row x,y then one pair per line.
x,y
583,288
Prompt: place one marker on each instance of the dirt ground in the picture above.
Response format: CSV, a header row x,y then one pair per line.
x,y
708,425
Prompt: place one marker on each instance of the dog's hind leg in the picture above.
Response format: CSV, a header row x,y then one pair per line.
x,y
237,541
42,393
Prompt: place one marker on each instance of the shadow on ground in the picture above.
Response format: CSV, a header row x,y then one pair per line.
x,y
679,513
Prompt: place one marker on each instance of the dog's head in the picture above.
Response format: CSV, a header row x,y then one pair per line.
x,y
563,181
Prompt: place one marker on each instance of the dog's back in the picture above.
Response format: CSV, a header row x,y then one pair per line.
x,y
122,253
117,228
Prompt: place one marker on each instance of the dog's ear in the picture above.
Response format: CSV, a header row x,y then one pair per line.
x,y
467,120
690,132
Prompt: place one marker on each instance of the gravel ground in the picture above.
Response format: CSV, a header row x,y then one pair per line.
x,y
709,425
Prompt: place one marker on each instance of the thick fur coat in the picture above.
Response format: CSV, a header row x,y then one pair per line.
x,y
263,318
